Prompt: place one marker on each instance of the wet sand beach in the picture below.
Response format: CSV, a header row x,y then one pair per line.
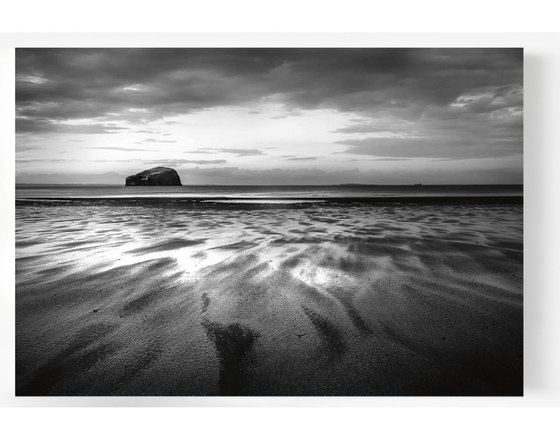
x,y
185,298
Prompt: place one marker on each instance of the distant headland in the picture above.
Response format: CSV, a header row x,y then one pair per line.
x,y
158,176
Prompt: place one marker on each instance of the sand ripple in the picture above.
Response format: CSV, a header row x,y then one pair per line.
x,y
305,300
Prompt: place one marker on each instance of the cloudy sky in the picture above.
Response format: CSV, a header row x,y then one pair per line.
x,y
270,116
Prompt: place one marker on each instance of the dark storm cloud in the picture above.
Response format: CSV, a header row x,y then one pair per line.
x,y
42,125
55,85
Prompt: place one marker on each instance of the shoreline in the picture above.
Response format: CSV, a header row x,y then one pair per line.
x,y
423,200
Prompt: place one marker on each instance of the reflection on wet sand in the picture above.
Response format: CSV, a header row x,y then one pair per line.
x,y
317,299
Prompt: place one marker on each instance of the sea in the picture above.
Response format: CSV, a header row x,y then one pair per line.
x,y
262,194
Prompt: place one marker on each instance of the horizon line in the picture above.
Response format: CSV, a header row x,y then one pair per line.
x,y
276,185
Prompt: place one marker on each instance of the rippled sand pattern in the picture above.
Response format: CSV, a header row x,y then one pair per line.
x,y
323,299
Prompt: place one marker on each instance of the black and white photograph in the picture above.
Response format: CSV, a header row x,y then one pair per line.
x,y
271,221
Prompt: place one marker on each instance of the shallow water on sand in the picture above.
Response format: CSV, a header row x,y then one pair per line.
x,y
315,299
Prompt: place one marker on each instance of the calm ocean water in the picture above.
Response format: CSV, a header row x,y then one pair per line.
x,y
263,192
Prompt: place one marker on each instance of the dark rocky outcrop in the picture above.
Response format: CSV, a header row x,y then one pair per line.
x,y
159,176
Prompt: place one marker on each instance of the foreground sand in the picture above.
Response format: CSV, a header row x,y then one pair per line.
x,y
177,299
